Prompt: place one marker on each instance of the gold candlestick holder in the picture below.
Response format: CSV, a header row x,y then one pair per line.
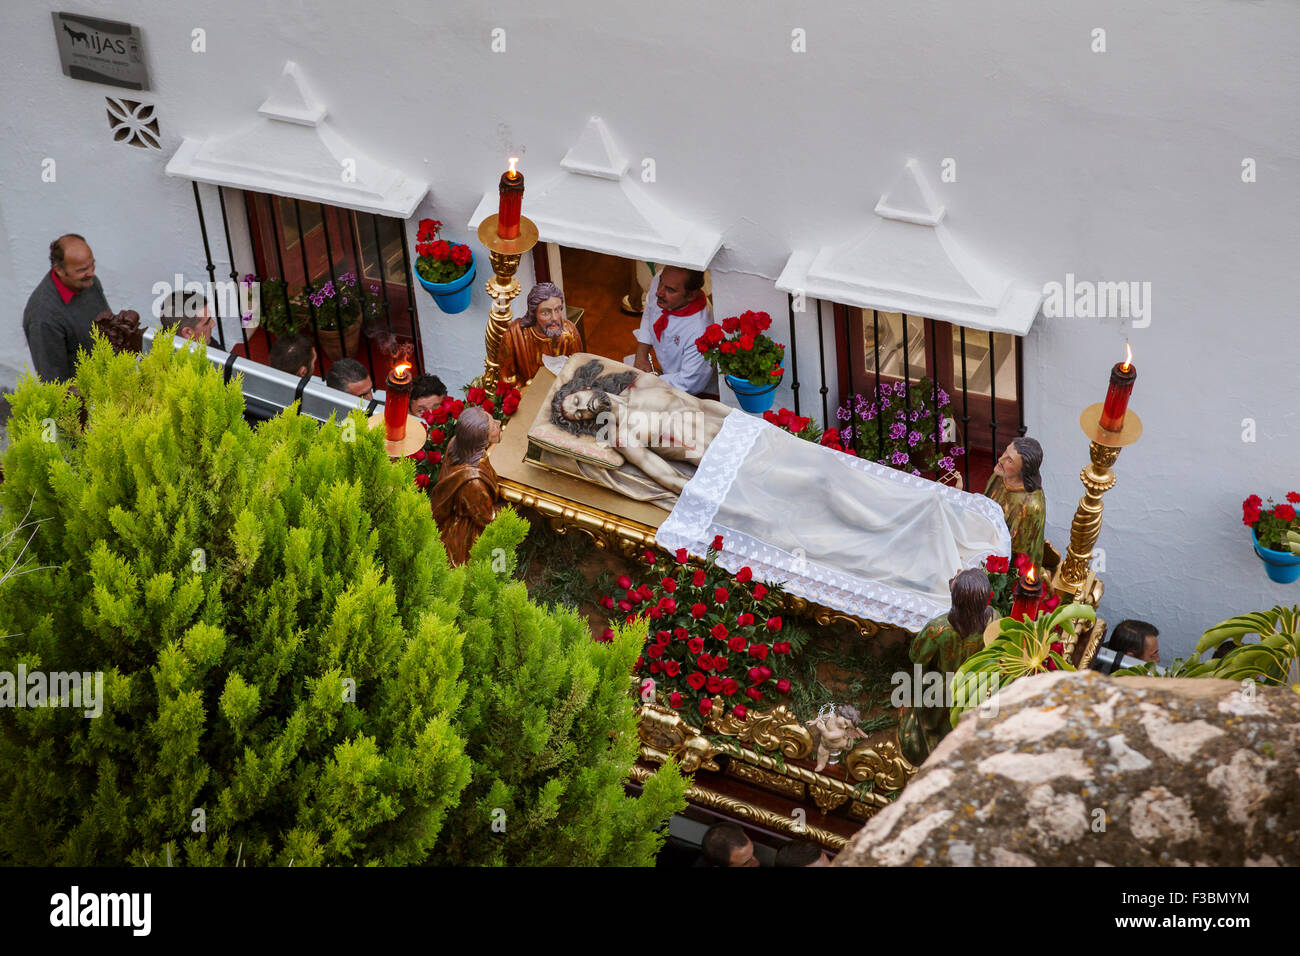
x,y
503,287
1074,579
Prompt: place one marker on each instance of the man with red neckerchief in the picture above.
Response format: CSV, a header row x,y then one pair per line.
x,y
677,312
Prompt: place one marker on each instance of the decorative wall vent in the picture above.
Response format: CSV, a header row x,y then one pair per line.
x,y
133,123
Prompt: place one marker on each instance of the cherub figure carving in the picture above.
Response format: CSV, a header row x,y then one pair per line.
x,y
835,729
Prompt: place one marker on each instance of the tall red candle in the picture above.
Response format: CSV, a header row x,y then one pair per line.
x,y
397,402
1122,377
512,201
1027,595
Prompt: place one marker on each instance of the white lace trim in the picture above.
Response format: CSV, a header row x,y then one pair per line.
x,y
691,525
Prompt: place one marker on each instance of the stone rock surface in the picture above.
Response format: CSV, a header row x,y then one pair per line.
x,y
1077,769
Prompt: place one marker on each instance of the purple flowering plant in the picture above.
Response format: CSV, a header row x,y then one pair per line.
x,y
877,427
338,304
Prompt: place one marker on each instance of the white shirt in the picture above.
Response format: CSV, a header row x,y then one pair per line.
x,y
684,367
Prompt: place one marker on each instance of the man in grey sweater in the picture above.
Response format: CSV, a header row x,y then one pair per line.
x,y
60,310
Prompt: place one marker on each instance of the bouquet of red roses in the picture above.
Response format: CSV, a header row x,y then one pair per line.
x,y
738,347
439,260
1271,525
714,639
501,404
1003,575
807,429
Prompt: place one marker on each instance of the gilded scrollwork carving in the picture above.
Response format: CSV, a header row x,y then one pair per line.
x,y
880,763
665,736
770,779
777,729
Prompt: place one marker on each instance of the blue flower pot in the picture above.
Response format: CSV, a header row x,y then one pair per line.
x,y
754,398
451,297
1281,566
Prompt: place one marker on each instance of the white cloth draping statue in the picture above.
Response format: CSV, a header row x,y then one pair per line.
x,y
846,533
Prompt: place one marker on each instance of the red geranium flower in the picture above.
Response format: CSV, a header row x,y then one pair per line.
x,y
1284,513
1293,497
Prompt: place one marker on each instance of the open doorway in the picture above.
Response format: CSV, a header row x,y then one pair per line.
x,y
604,295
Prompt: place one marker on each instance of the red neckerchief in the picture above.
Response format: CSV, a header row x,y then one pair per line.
x,y
65,293
690,308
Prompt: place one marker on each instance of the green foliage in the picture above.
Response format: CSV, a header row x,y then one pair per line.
x,y
1020,649
229,584
551,726
1270,660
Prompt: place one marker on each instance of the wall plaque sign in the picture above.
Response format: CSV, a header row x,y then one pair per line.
x,y
101,51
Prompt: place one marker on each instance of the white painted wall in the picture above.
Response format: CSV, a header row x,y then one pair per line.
x,y
1117,165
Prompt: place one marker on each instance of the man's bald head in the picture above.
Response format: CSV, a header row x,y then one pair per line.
x,y
72,261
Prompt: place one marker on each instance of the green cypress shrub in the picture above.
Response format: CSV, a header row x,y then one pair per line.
x,y
232,585
551,728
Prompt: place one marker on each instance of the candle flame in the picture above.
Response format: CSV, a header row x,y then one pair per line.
x,y
1128,357
1030,576
511,172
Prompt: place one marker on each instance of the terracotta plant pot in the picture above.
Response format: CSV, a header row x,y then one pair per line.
x,y
329,342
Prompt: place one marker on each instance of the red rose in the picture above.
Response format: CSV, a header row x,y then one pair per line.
x,y
625,606
704,662
753,693
672,668
740,711
681,556
760,592
729,686
755,675
435,457
713,684
698,578
655,651
607,603
1284,513
675,699
720,595
457,406
774,624
436,436
717,542
624,581
719,631
682,634
427,415
1052,603
695,645
510,405
759,651
744,575
669,585
1022,562
719,663
698,611
645,592
667,605
422,481
420,455
656,667
737,644
695,679
654,613
489,407
608,635
663,638
706,705
438,416
475,395
765,671
783,686
781,647
648,557
640,661
633,597
744,620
